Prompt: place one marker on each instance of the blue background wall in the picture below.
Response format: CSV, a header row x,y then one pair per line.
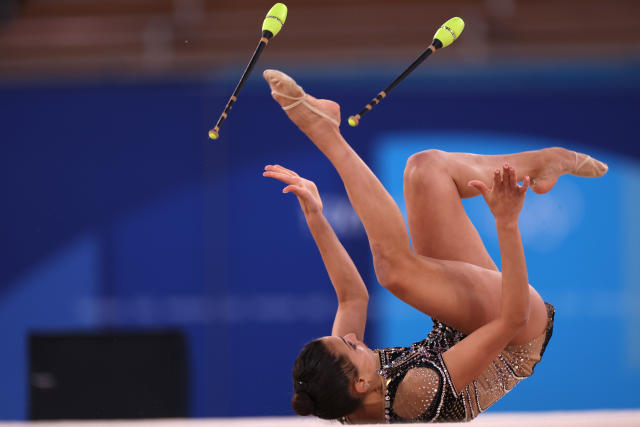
x,y
119,213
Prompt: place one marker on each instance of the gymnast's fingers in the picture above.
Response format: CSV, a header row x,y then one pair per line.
x,y
291,189
275,168
513,179
526,181
497,180
506,176
480,186
286,178
297,190
284,170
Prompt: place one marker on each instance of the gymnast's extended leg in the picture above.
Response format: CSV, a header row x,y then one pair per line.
x,y
454,293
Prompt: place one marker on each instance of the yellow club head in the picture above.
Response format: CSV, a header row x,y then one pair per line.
x,y
449,31
213,134
353,122
275,19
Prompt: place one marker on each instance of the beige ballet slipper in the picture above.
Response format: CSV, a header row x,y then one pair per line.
x,y
589,167
285,87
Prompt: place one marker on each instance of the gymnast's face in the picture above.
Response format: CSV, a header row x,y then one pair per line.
x,y
365,360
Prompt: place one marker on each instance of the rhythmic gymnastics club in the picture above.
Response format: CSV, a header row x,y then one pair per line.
x,y
446,34
270,27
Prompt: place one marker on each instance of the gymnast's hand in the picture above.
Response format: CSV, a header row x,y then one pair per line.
x,y
506,197
306,190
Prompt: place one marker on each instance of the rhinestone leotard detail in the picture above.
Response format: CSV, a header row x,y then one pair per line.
x,y
421,361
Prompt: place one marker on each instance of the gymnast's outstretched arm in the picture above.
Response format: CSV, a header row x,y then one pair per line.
x,y
351,291
470,357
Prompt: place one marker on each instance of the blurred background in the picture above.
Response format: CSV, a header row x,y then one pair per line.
x,y
149,272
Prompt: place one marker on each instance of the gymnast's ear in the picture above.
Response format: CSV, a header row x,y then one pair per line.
x,y
361,385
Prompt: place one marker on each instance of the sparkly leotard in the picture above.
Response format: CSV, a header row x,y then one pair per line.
x,y
419,388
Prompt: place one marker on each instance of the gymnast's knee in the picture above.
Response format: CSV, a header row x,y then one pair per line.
x,y
387,266
419,165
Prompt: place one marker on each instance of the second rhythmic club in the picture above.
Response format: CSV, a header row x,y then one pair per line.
x,y
446,34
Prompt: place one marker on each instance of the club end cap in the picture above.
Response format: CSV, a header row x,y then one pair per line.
x,y
449,31
213,134
275,19
353,122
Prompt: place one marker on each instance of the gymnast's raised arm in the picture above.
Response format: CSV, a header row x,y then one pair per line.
x,y
470,357
351,291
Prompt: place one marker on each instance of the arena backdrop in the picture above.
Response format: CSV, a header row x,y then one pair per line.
x,y
119,214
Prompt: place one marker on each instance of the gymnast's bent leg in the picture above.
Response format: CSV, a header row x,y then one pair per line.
x,y
442,230
434,183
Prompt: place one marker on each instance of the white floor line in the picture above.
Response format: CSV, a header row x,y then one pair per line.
x,y
618,418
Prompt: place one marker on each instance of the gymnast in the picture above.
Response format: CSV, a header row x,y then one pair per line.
x,y
490,327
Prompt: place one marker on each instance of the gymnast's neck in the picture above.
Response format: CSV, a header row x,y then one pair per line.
x,y
372,409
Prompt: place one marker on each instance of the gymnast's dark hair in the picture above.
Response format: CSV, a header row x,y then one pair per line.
x,y
322,382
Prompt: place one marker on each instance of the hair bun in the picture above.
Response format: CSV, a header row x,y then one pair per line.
x,y
302,403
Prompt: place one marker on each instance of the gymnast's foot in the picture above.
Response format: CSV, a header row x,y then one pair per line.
x,y
559,161
311,115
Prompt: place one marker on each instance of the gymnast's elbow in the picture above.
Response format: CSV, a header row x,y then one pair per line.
x,y
516,320
354,303
354,294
